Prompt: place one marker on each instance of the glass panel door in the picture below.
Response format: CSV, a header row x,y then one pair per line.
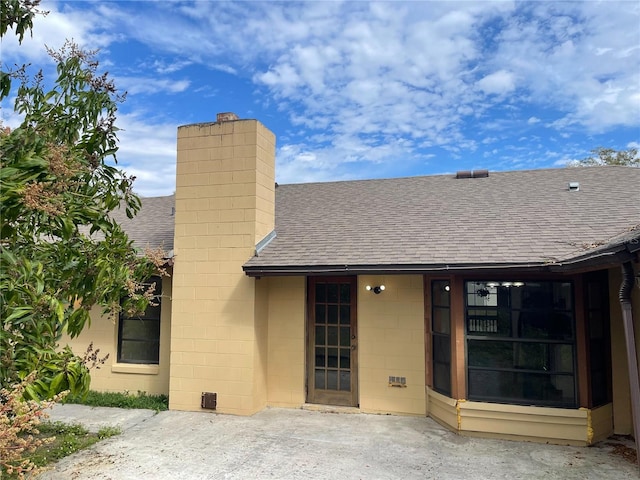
x,y
332,341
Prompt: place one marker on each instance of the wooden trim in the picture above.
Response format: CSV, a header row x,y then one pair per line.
x,y
458,348
307,339
428,310
311,300
428,353
355,391
582,345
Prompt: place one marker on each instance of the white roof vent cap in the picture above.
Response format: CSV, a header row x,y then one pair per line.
x,y
574,186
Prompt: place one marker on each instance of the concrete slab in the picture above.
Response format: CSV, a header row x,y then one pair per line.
x,y
297,444
95,418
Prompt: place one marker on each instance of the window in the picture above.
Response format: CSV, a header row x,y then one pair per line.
x,y
139,337
597,313
520,343
441,336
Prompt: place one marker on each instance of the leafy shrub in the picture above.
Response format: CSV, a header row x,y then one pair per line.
x,y
122,400
19,433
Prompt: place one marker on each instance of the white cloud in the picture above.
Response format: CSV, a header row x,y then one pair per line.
x,y
148,85
499,83
164,67
52,30
569,57
148,151
364,84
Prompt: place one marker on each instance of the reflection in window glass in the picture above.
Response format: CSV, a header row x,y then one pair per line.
x,y
521,342
139,336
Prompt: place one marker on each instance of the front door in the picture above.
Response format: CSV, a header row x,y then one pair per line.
x,y
332,355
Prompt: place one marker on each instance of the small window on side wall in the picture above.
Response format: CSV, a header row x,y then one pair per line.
x,y
441,336
139,336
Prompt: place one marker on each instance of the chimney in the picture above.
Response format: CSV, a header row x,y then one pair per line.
x,y
225,205
226,117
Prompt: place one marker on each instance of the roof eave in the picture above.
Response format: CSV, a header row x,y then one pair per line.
x,y
606,257
292,270
589,261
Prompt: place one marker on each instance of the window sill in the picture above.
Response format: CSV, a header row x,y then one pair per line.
x,y
135,368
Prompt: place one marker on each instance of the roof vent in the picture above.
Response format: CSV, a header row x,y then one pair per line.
x,y
574,186
464,174
472,174
226,117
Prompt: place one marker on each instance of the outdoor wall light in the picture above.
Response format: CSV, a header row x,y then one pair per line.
x,y
375,290
447,288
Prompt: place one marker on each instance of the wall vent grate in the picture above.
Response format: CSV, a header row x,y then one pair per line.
x,y
209,400
397,381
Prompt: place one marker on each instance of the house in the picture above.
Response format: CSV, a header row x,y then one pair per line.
x,y
486,300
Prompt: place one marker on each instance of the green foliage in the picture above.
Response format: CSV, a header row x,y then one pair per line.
x,y
60,251
106,432
65,440
20,431
609,156
122,400
18,15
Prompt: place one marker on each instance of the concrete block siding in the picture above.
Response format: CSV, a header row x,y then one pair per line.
x,y
225,194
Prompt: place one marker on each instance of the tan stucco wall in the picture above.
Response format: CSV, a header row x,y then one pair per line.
x,y
260,358
391,343
286,341
225,193
622,419
126,377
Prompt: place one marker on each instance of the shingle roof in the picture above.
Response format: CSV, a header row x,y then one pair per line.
x,y
509,218
153,226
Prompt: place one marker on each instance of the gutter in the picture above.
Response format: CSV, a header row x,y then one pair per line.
x,y
384,269
632,357
608,257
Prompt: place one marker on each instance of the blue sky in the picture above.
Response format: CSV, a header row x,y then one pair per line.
x,y
362,89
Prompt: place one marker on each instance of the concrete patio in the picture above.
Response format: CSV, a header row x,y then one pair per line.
x,y
300,444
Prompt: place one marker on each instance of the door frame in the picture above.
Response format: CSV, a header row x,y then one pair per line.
x,y
331,397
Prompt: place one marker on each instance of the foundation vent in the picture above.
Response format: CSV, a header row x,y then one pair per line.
x,y
397,381
209,400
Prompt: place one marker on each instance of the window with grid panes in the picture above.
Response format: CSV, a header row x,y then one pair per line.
x,y
139,336
520,340
441,336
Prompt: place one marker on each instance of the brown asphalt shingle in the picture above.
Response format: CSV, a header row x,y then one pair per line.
x,y
153,226
519,217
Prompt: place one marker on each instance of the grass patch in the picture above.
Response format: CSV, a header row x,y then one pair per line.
x,y
122,400
68,439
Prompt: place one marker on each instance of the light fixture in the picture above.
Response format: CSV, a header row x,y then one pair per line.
x,y
375,290
483,292
447,288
